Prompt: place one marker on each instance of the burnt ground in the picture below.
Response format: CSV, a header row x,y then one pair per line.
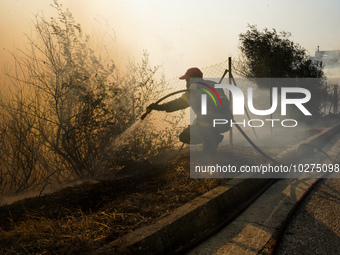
x,y
83,218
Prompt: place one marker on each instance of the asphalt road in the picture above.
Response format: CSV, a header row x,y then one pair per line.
x,y
315,227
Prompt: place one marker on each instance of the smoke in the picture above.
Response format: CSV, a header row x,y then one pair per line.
x,y
6,200
332,72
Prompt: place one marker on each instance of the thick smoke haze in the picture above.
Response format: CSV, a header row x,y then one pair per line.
x,y
179,34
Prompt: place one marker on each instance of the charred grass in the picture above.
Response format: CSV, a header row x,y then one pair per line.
x,y
80,219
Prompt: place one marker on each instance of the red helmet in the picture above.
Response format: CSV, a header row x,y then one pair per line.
x,y
192,72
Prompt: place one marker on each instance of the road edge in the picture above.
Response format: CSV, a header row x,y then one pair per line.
x,y
197,216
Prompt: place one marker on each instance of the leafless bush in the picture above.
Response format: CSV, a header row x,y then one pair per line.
x,y
68,105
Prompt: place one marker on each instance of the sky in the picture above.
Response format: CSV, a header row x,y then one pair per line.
x,y
178,34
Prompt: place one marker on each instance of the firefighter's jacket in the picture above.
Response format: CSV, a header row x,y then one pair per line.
x,y
192,98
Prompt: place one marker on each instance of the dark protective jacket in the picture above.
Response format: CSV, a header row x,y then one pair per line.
x,y
193,98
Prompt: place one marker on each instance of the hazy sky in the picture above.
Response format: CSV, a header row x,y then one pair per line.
x,y
180,34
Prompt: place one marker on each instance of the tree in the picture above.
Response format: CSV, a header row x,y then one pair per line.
x,y
63,101
268,54
271,54
67,105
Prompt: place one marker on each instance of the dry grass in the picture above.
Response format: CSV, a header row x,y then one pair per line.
x,y
79,231
75,233
79,225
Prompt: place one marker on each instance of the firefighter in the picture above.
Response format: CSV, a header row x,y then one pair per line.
x,y
201,131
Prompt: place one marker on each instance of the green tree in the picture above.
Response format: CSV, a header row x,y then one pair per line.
x,y
269,54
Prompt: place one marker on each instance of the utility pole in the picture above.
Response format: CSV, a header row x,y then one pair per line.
x,y
230,100
335,99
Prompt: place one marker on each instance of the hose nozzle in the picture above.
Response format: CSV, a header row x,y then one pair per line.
x,y
148,110
145,114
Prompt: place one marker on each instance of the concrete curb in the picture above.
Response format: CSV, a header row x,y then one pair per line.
x,y
186,221
190,220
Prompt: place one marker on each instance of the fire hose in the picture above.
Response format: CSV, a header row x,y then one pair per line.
x,y
160,100
237,126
